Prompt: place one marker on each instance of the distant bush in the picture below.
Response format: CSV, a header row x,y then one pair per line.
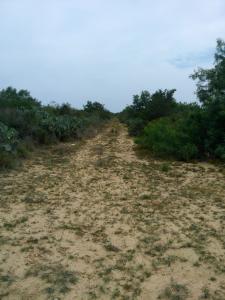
x,y
11,98
146,108
96,108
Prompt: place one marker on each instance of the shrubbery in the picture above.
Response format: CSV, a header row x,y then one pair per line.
x,y
182,131
146,108
169,138
23,118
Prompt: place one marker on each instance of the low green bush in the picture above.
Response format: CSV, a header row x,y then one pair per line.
x,y
166,138
8,145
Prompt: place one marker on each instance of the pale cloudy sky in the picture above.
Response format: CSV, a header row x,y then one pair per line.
x,y
106,50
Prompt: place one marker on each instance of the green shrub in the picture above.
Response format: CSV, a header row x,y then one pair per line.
x,y
8,144
24,122
136,126
8,138
11,98
146,108
166,138
220,152
165,167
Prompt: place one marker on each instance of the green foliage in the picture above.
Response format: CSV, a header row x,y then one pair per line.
x,y
147,107
211,93
8,138
10,98
135,126
184,131
168,138
97,109
211,82
23,118
8,143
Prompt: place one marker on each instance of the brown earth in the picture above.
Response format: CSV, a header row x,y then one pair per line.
x,y
95,220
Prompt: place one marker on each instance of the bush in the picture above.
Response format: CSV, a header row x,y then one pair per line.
x,y
8,144
146,108
8,138
184,131
23,118
166,138
135,126
220,152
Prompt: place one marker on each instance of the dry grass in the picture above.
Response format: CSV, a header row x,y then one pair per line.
x,y
96,221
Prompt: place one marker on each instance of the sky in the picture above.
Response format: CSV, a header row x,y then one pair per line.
x,y
106,50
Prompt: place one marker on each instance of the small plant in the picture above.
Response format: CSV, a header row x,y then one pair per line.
x,y
165,167
205,293
110,247
59,279
6,279
175,291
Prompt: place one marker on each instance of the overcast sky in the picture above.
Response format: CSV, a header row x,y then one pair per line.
x,y
106,50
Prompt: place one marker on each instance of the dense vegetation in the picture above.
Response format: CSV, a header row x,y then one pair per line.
x,y
161,124
25,122
183,131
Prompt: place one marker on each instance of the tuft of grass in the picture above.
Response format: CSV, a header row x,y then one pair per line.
x,y
175,291
6,279
10,226
104,162
112,248
205,293
59,279
35,198
165,167
78,229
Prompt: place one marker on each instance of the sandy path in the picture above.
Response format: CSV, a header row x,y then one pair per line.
x,y
94,221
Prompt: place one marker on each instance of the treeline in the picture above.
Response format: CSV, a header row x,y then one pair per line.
x,y
183,131
26,123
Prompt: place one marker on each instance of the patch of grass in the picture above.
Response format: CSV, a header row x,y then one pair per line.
x,y
3,240
205,293
110,247
78,229
6,280
98,149
11,225
165,167
145,196
35,198
175,291
104,162
59,279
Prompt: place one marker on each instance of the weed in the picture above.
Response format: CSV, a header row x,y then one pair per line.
x,y
6,280
110,247
175,291
59,279
165,167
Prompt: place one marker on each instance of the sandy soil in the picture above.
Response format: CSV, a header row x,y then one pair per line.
x,y
97,220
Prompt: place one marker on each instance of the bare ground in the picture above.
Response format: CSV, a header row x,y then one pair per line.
x,y
93,220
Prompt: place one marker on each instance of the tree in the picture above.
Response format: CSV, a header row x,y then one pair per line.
x,y
98,109
146,108
11,98
211,82
211,93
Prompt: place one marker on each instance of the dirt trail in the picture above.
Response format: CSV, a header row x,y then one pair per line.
x,y
93,220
